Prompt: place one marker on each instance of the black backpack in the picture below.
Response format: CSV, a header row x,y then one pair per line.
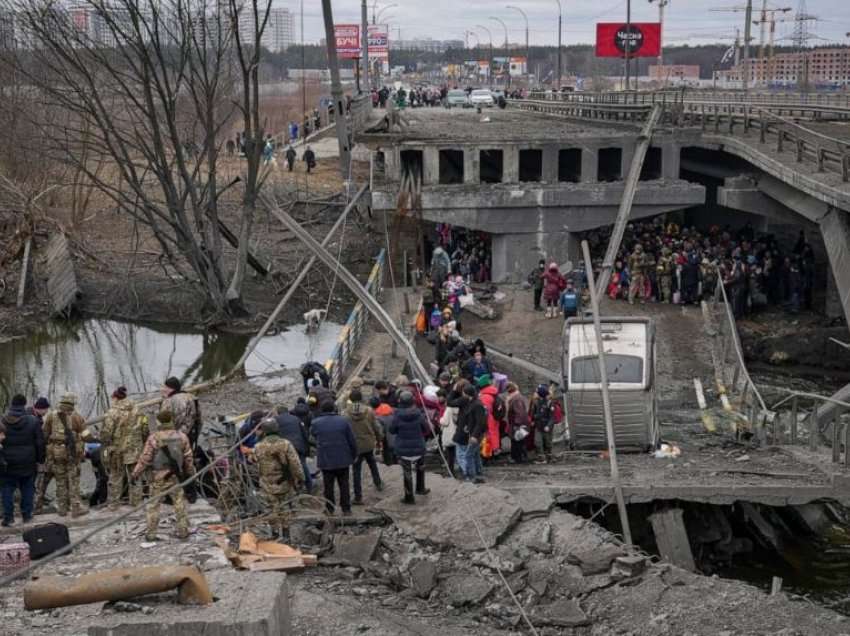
x,y
500,409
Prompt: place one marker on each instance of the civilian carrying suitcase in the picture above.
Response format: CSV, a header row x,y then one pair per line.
x,y
46,539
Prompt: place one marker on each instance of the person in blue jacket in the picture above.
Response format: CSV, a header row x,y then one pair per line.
x,y
570,301
408,426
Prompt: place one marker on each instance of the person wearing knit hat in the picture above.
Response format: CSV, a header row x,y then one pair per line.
x,y
63,433
123,436
384,415
170,467
22,451
183,406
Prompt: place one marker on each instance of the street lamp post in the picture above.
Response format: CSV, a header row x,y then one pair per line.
x,y
560,19
490,61
507,54
375,18
527,50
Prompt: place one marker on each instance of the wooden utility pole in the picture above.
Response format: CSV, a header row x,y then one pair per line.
x,y
364,45
626,202
606,401
336,91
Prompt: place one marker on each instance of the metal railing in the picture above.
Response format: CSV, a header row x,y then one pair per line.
x,y
352,332
740,395
772,123
736,388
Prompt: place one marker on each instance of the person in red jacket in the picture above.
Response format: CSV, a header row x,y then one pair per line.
x,y
553,284
488,394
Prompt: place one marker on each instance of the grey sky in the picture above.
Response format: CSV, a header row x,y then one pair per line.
x,y
686,21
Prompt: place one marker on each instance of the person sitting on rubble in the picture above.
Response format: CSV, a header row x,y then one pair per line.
x,y
408,425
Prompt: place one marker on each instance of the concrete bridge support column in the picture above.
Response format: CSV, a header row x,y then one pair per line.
x,y
670,161
550,164
431,167
835,229
510,164
471,166
589,164
515,255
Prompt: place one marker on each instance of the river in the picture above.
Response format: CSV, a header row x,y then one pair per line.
x,y
92,357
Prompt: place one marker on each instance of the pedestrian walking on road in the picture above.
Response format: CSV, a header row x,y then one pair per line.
x,y
336,450
367,431
408,426
23,451
310,159
291,156
553,284
536,280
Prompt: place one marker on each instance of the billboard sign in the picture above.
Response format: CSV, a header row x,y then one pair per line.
x,y
379,42
640,39
347,41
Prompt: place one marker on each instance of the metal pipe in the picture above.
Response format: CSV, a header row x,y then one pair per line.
x,y
364,44
117,585
527,49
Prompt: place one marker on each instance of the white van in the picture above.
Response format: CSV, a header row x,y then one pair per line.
x,y
630,367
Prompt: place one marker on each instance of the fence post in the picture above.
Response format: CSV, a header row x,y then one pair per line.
x,y
799,150
847,445
779,138
794,406
845,168
814,433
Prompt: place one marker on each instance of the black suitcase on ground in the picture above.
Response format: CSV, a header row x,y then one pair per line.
x,y
46,539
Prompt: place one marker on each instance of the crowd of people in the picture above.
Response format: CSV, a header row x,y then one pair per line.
x,y
663,262
425,96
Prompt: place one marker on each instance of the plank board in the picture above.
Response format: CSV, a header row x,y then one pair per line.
x,y
62,284
672,538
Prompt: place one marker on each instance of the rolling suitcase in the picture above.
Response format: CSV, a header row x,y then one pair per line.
x,y
46,539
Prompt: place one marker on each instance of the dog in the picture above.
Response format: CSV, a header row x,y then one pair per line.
x,y
314,318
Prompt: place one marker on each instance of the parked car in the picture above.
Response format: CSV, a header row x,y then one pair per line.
x,y
497,94
457,98
481,97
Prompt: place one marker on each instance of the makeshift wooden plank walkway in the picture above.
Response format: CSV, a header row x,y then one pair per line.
x,y
62,284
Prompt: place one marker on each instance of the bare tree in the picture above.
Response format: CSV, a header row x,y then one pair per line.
x,y
148,86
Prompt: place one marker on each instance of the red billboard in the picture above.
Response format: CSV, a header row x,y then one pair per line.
x,y
347,40
643,39
379,42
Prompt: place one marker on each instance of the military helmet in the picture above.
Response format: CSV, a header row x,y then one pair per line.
x,y
269,426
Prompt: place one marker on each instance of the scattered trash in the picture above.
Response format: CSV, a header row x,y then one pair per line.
x,y
14,557
667,451
118,585
258,556
147,544
743,458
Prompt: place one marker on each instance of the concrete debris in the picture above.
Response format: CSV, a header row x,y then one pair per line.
x,y
671,536
562,613
597,561
423,578
443,516
496,561
466,590
626,567
124,606
356,549
117,585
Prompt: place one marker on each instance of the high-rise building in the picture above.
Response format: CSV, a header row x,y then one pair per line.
x,y
279,33
822,66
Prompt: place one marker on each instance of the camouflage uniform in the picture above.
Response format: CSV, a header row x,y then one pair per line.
x,y
131,449
164,476
63,433
182,408
637,270
665,276
117,422
281,475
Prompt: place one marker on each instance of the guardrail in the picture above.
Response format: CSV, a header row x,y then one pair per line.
x,y
829,154
736,388
352,332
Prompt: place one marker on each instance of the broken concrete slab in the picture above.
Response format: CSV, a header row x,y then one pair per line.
x,y
445,515
626,567
496,560
356,549
535,501
466,590
255,604
423,578
562,613
596,561
671,536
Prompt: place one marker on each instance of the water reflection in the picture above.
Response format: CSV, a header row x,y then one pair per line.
x,y
92,357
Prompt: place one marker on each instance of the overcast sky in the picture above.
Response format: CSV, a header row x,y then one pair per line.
x,y
686,21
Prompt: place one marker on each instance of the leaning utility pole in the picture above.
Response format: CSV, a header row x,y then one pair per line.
x,y
606,401
336,91
626,202
748,26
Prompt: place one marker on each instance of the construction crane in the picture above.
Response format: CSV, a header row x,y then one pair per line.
x,y
748,17
768,16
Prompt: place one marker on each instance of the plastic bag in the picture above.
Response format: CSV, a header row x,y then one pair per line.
x,y
486,451
421,323
521,433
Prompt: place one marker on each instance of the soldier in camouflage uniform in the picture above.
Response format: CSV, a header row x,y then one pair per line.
x,y
181,405
637,270
281,475
665,275
119,419
63,433
170,454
